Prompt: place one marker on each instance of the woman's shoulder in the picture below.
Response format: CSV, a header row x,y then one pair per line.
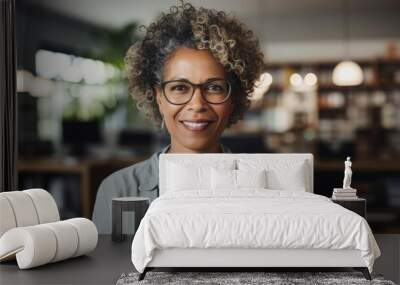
x,y
142,175
136,173
130,170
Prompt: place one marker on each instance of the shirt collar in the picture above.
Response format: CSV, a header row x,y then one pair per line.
x,y
150,180
225,149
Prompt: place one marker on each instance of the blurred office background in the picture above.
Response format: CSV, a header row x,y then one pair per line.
x,y
77,123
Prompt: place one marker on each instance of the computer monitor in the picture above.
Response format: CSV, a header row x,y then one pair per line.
x,y
245,143
139,141
79,134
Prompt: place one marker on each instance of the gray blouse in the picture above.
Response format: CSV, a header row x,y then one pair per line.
x,y
140,179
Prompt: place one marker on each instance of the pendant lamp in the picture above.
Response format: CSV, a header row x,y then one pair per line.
x,y
347,72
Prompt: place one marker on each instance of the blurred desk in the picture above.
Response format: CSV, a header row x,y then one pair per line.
x,y
90,171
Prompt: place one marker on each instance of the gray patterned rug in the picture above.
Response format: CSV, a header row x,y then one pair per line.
x,y
231,278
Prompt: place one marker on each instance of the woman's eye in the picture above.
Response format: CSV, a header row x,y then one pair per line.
x,y
215,88
179,88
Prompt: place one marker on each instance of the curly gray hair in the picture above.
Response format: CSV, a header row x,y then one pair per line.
x,y
229,40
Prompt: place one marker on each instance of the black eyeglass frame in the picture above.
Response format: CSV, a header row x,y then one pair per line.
x,y
195,86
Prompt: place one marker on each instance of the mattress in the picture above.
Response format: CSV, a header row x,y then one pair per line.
x,y
251,219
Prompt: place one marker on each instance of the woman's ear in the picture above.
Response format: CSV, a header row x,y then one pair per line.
x,y
158,98
159,101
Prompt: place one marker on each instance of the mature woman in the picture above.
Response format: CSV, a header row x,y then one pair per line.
x,y
192,74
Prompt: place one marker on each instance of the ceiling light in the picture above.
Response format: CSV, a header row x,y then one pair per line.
x,y
42,87
295,79
261,86
51,64
24,80
310,79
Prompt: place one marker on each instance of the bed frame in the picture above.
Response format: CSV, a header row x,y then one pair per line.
x,y
246,258
242,259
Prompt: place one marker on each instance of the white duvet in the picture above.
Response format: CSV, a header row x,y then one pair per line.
x,y
253,218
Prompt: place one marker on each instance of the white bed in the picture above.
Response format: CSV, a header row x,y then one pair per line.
x,y
202,220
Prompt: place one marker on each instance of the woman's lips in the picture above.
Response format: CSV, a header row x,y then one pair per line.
x,y
196,126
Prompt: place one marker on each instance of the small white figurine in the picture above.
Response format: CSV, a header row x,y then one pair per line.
x,y
347,174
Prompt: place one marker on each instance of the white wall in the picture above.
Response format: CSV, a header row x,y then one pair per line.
x,y
289,30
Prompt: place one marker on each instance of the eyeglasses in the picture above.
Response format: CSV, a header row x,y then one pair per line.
x,y
179,92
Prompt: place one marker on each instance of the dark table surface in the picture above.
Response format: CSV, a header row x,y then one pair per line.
x,y
110,259
104,265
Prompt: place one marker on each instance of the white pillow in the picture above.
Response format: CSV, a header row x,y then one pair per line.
x,y
281,174
222,179
184,175
251,178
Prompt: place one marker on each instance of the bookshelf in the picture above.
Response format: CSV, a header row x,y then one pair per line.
x,y
329,115
333,122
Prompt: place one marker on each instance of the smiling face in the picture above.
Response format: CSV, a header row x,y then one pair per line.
x,y
194,127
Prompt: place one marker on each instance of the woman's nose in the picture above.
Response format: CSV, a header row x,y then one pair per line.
x,y
197,102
